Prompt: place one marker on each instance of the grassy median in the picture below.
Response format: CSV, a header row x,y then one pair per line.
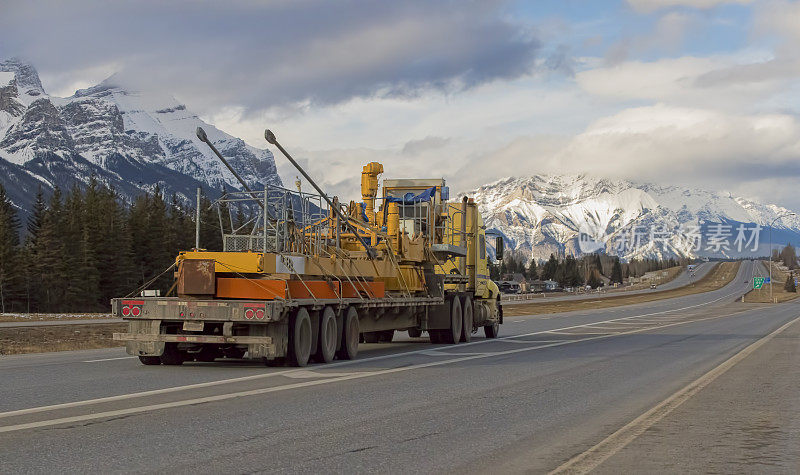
x,y
721,275
59,338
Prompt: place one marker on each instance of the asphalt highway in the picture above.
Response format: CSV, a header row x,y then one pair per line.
x,y
560,391
683,279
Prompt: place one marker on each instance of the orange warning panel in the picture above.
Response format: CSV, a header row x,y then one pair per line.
x,y
366,289
319,288
259,289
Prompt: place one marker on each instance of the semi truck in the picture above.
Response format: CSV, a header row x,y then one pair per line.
x,y
308,278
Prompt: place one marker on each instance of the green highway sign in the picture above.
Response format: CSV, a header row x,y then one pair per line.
x,y
758,282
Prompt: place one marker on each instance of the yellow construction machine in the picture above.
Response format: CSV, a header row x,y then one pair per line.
x,y
308,277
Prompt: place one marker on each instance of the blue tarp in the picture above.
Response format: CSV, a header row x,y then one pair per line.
x,y
411,198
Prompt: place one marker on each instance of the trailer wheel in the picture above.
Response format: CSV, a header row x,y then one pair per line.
x,y
150,360
466,325
300,338
328,336
414,332
350,336
453,335
172,356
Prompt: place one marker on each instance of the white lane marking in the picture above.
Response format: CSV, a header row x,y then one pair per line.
x,y
331,365
579,331
592,458
273,389
306,374
643,322
456,353
610,327
508,340
109,359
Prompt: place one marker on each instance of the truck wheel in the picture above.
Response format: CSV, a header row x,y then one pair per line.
x,y
300,338
466,325
350,336
386,336
414,332
328,336
453,335
150,360
491,331
172,356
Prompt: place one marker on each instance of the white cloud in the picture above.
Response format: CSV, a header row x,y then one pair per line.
x,y
734,83
647,6
258,55
781,18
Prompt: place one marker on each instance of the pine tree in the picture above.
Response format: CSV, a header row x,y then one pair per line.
x,y
210,233
593,282
789,285
616,272
9,250
549,269
532,272
48,252
37,216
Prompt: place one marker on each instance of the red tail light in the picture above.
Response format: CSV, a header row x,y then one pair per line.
x,y
259,314
126,311
135,311
248,314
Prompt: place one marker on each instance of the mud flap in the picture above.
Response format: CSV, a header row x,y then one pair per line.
x,y
144,348
279,332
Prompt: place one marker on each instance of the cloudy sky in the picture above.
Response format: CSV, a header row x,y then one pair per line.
x,y
703,93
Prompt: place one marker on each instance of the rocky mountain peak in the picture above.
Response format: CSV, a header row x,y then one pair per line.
x,y
545,214
131,140
27,78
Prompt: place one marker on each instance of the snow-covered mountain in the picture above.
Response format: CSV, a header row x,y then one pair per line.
x,y
577,214
125,138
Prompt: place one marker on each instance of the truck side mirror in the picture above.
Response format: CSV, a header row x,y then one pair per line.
x,y
498,248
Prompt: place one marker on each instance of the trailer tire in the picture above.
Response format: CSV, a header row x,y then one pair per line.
x,y
328,336
350,336
300,334
150,360
414,332
466,324
172,356
453,334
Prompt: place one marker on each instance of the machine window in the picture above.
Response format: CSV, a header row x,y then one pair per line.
x,y
483,246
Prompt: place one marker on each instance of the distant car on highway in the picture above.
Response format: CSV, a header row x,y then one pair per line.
x,y
652,286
